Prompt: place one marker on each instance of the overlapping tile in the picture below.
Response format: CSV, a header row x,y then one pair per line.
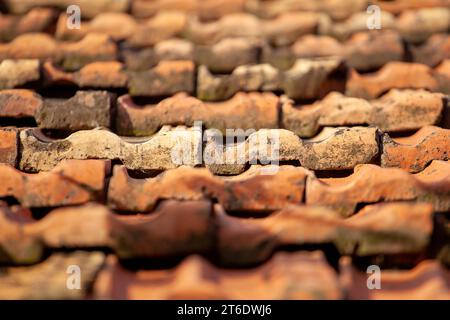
x,y
383,229
9,147
205,9
103,74
286,276
332,149
156,152
233,193
138,120
399,75
36,20
371,184
14,73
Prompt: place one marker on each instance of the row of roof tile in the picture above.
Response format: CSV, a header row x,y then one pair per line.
x,y
79,181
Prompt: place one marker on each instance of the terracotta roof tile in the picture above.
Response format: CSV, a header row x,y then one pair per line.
x,y
298,275
48,280
71,182
167,78
394,111
399,75
72,55
41,153
233,193
224,133
14,73
205,9
332,149
371,184
9,145
36,20
305,80
427,281
94,226
133,119
88,8
415,152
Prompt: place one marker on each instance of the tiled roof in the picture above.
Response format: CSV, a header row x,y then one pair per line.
x,y
224,149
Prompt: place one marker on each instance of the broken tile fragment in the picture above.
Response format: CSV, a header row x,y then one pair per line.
x,y
371,184
70,182
416,152
168,148
233,193
167,78
299,275
49,279
136,120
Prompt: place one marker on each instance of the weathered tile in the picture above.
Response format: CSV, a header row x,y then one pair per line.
x,y
49,279
300,275
383,229
36,20
273,191
372,184
9,145
395,111
183,227
167,78
394,75
415,152
232,114
332,149
427,281
70,182
88,8
168,148
15,73
417,25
